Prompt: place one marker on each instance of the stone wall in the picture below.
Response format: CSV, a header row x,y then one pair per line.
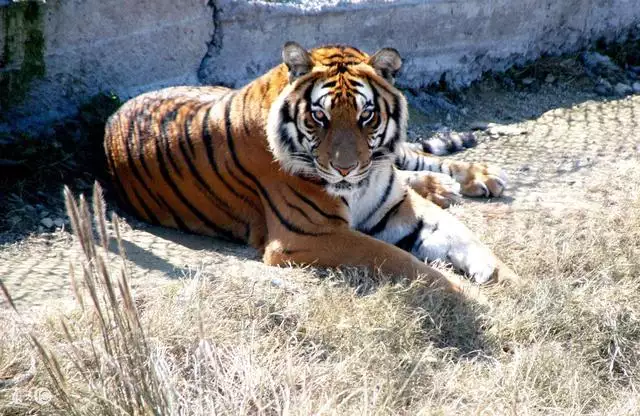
x,y
55,55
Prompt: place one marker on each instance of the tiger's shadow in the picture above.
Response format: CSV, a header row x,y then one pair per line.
x,y
450,322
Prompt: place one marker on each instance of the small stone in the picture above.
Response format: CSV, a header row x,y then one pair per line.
x,y
29,208
528,81
636,87
44,214
509,83
47,222
59,222
622,89
550,79
603,88
599,65
480,125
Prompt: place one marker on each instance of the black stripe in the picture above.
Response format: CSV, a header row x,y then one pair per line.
x,y
380,203
299,210
232,149
315,207
152,218
355,83
247,132
219,203
197,213
241,182
208,142
381,225
165,123
407,242
176,218
134,124
131,162
329,84
188,121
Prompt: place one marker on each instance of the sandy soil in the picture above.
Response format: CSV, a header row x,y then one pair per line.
x,y
559,144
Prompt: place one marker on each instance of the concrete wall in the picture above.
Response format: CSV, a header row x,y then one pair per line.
x,y
90,46
65,51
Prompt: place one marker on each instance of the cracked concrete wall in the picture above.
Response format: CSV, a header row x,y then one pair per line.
x,y
92,46
455,40
130,46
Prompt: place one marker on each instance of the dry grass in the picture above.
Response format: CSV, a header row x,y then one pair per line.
x,y
567,342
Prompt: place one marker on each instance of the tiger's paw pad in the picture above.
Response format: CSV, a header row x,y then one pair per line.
x,y
485,181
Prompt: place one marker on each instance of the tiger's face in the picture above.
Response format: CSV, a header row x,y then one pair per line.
x,y
340,117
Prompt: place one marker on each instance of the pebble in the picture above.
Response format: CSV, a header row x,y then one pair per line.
x,y
603,88
528,81
47,222
59,222
550,79
480,125
636,87
622,89
599,64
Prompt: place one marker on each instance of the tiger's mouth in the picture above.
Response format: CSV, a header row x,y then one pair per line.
x,y
346,187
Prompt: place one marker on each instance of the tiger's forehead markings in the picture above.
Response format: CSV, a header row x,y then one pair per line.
x,y
341,90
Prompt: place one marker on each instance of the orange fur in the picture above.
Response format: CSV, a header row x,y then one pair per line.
x,y
198,159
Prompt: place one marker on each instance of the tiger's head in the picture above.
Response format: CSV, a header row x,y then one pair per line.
x,y
339,117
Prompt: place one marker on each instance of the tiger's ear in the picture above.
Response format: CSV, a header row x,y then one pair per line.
x,y
297,60
387,62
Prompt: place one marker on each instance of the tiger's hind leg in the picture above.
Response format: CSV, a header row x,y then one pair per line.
x,y
475,179
438,188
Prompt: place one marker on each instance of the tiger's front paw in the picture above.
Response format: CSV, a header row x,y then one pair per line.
x,y
484,181
438,188
474,260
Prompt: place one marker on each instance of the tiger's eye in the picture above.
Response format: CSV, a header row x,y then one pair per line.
x,y
319,115
365,115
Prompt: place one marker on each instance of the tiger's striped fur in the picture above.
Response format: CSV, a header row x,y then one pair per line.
x,y
300,164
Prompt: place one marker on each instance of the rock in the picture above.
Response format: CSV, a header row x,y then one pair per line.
x,y
528,81
600,65
508,83
47,222
59,222
550,79
480,125
636,87
603,88
622,89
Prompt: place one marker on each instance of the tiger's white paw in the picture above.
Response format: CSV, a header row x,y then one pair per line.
x,y
475,260
450,241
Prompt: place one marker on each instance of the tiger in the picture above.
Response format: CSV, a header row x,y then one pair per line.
x,y
309,164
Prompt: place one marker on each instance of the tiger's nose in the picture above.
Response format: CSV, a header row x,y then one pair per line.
x,y
344,170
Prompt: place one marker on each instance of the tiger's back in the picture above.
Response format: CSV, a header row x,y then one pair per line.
x,y
171,164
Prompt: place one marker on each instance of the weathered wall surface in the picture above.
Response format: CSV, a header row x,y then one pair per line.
x,y
58,54
457,39
91,46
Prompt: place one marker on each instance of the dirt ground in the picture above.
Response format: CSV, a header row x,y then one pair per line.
x,y
556,141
